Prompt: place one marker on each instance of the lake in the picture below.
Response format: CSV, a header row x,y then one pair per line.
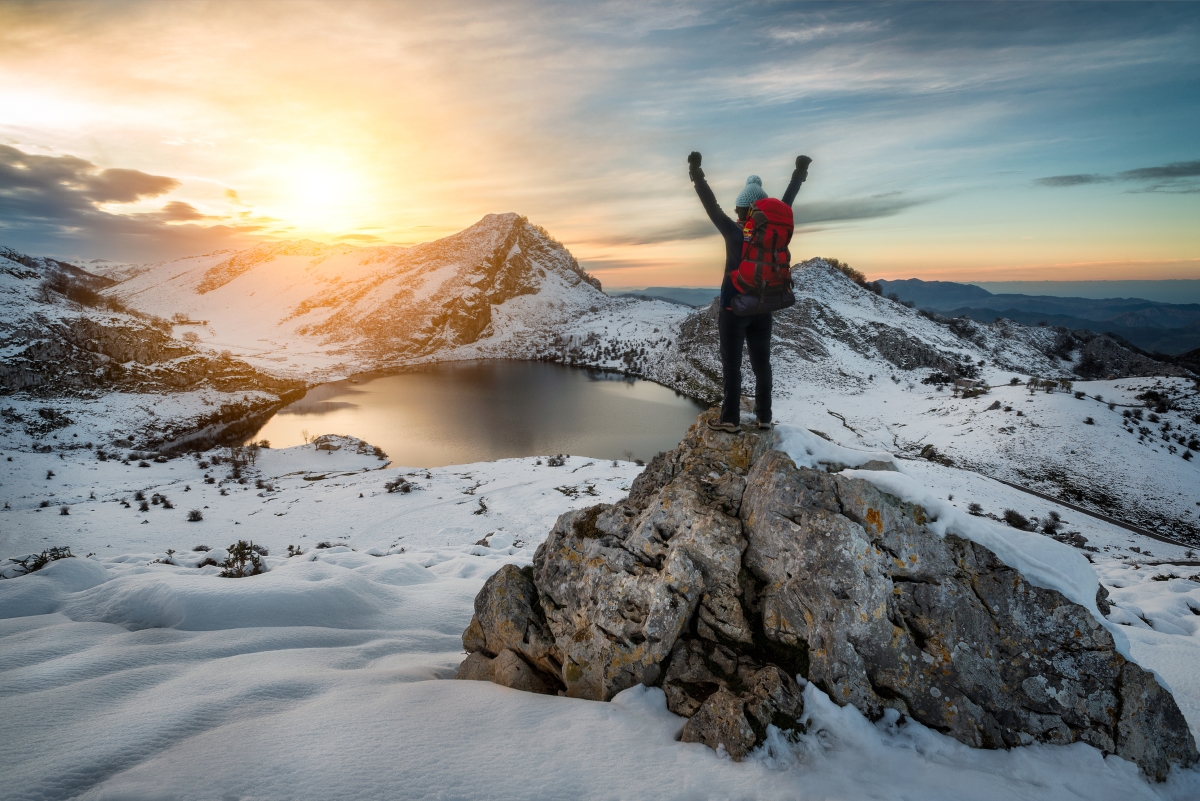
x,y
460,412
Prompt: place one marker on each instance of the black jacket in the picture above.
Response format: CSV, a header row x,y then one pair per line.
x,y
731,230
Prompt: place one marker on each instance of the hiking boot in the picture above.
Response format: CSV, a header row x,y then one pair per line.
x,y
728,428
765,425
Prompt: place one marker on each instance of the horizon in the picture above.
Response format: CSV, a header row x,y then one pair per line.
x,y
975,143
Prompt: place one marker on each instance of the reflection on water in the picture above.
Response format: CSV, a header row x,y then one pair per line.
x,y
479,411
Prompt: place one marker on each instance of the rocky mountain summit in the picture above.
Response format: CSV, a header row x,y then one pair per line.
x,y
729,575
369,308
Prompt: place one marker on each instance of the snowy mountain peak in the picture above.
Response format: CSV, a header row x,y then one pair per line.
x,y
338,305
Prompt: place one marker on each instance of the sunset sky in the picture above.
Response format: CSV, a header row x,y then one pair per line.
x,y
962,142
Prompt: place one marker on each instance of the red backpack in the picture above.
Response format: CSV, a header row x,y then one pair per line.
x,y
764,278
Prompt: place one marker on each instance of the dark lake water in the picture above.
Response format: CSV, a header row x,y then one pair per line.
x,y
479,411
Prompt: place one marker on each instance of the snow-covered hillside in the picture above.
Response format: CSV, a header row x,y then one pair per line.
x,y
315,678
320,678
312,310
846,361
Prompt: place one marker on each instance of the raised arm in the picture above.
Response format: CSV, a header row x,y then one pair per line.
x,y
720,219
799,176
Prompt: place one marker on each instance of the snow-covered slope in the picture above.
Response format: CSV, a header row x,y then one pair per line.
x,y
303,308
845,360
320,679
63,350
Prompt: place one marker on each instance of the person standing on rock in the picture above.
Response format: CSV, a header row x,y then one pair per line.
x,y
753,331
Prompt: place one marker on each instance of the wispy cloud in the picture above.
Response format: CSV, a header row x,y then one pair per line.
x,y
1073,180
1172,179
866,208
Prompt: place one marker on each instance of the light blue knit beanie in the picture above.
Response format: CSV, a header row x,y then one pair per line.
x,y
751,194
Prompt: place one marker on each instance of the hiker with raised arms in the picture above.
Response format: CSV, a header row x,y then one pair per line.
x,y
757,281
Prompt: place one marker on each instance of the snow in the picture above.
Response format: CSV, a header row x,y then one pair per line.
x,y
132,672
325,676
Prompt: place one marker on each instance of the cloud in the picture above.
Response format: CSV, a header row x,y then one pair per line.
x,y
363,238
682,232
1072,180
1171,178
1178,169
56,205
806,216
886,205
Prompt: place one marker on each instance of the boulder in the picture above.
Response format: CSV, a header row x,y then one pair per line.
x,y
729,571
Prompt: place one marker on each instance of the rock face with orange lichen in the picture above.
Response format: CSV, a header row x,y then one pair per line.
x,y
729,571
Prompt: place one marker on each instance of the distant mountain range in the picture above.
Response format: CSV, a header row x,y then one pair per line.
x,y
1170,328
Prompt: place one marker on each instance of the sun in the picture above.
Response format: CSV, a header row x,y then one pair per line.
x,y
320,197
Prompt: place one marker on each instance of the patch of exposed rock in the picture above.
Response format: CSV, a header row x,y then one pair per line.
x,y
729,571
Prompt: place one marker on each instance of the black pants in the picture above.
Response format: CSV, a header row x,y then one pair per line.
x,y
754,332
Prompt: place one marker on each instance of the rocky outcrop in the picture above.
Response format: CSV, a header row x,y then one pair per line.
x,y
729,571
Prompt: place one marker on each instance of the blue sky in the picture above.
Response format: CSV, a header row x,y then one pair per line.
x,y
971,141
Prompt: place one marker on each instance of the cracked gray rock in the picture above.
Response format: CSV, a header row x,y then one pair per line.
x,y
728,571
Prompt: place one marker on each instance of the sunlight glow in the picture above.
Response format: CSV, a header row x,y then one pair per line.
x,y
319,197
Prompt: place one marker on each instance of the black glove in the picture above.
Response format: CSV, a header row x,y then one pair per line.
x,y
694,166
802,163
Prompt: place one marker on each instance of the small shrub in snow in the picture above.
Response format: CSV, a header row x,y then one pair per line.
x,y
399,484
201,549
64,510
639,462
1111,406
1016,519
209,480
1152,417
556,461
144,506
1080,395
1187,456
139,496
324,544
1014,382
208,561
294,550
195,516
975,509
143,463
44,504
34,563
243,561
1087,421
49,474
